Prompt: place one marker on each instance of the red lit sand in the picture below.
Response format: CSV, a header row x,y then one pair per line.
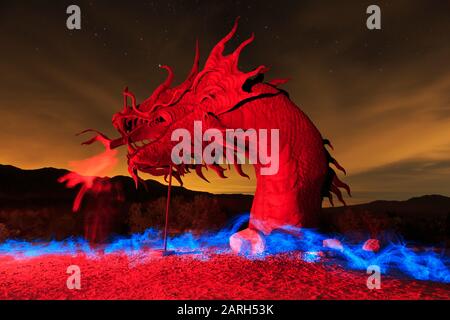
x,y
185,277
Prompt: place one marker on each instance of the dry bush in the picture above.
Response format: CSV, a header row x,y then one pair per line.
x,y
4,232
43,223
143,215
199,213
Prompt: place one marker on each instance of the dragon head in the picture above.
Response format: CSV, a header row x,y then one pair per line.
x,y
146,127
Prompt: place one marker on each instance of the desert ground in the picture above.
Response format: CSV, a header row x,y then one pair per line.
x,y
190,276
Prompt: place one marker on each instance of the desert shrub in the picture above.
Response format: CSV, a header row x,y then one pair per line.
x,y
363,224
41,223
4,232
388,226
199,213
376,223
29,223
65,225
144,215
348,221
430,229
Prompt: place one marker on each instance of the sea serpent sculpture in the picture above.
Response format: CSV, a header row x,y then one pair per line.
x,y
223,97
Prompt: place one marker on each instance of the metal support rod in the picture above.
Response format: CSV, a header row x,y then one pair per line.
x,y
167,209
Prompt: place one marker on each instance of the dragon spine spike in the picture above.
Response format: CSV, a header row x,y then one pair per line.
x,y
327,142
337,165
330,199
330,159
238,168
278,82
217,51
198,170
218,169
177,176
337,182
237,52
338,193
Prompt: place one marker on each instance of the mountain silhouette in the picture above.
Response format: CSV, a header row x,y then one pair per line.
x,y
33,204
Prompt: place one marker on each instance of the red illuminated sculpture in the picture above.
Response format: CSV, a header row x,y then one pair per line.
x,y
223,97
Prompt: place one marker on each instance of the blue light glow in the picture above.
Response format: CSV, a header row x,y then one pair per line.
x,y
426,265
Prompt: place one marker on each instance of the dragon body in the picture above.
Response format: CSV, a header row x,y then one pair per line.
x,y
223,97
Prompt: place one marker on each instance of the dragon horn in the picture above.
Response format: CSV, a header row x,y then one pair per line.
x,y
127,94
125,97
195,66
169,78
165,85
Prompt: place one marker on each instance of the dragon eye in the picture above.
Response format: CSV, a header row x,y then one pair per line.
x,y
164,117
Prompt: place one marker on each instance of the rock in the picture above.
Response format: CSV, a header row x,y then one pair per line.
x,y
333,244
372,245
248,242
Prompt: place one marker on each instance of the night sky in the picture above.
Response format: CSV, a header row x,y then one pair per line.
x,y
382,97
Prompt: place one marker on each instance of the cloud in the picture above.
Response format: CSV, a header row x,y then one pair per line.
x,y
403,179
